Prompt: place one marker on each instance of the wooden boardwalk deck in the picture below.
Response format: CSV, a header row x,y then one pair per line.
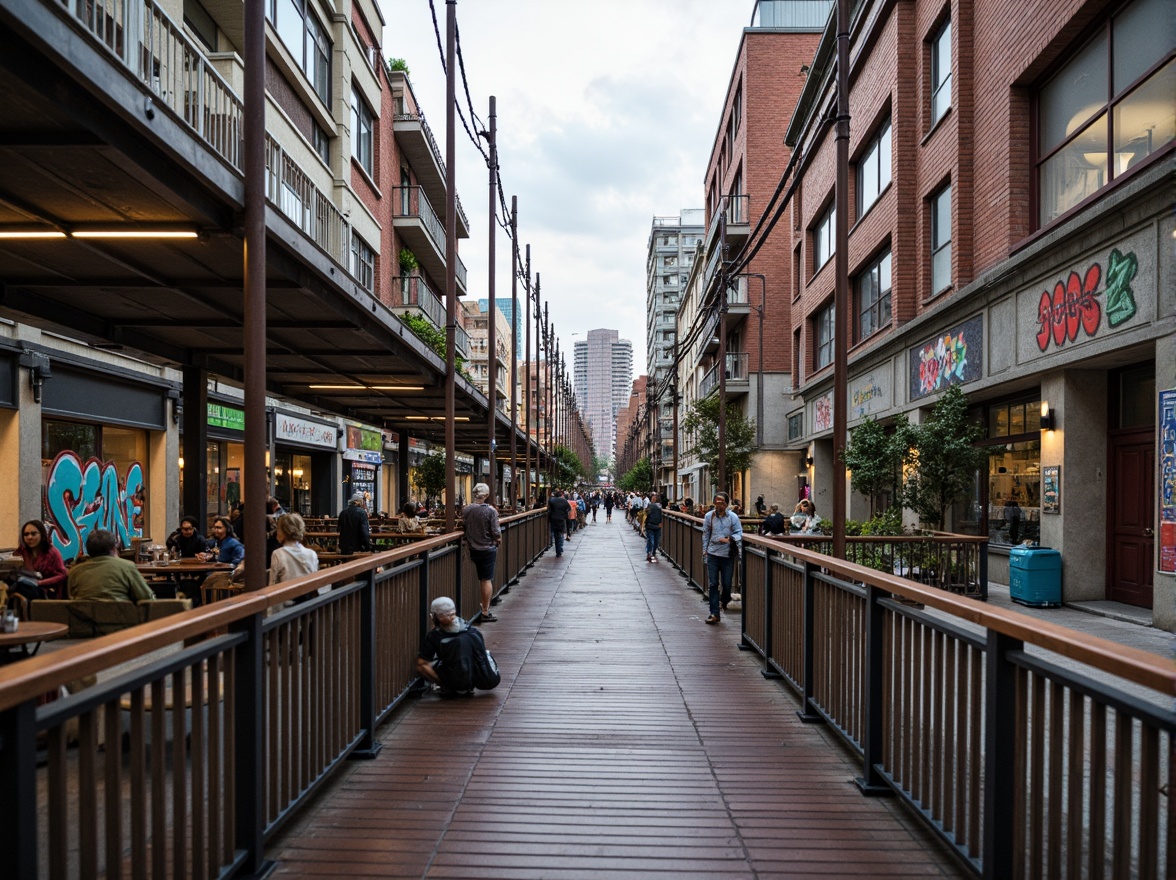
x,y
627,740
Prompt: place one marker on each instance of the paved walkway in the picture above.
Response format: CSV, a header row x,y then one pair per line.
x,y
627,740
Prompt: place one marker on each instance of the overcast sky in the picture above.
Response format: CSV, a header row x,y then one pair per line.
x,y
606,114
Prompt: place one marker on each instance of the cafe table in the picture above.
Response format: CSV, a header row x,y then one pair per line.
x,y
16,645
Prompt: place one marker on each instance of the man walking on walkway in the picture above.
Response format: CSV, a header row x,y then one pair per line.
x,y
557,518
355,531
483,535
721,534
653,528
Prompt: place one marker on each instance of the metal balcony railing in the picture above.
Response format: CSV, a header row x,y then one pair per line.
x,y
296,196
461,340
736,372
411,292
411,201
419,117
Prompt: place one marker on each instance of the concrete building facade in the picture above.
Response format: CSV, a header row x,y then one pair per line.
x,y
602,368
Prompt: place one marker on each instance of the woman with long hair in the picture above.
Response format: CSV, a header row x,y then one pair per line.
x,y
41,558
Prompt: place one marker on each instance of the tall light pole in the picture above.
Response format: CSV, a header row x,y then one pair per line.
x,y
841,291
450,264
514,354
527,370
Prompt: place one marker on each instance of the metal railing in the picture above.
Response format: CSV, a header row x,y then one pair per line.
x,y
736,372
156,50
411,201
292,192
208,730
419,117
412,292
461,340
974,716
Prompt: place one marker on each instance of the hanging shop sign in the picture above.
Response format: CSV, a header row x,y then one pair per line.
x,y
363,455
951,358
221,416
290,429
1168,480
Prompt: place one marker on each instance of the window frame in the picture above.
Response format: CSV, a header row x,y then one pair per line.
x,y
940,47
880,145
824,231
363,262
882,302
939,245
1100,116
362,132
824,321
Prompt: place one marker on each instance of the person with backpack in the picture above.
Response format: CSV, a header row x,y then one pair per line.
x,y
653,527
453,655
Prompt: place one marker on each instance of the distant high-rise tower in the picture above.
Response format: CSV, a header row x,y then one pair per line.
x,y
603,373
506,306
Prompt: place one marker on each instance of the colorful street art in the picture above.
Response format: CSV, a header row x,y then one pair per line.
x,y
860,398
1074,303
1168,481
823,413
951,359
81,497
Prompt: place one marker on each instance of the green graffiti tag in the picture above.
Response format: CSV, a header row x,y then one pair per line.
x,y
1120,298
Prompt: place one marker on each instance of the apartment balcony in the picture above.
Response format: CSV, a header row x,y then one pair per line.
x,y
708,340
737,376
412,295
738,306
296,196
418,145
422,231
737,210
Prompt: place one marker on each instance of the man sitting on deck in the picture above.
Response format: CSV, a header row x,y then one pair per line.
x,y
105,576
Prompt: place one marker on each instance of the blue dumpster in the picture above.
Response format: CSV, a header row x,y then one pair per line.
x,y
1035,576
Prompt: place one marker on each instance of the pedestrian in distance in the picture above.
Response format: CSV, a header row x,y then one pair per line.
x,y
355,531
483,535
557,519
653,527
609,503
721,534
760,507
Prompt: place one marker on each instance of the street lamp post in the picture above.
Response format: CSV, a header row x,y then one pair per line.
x,y
514,354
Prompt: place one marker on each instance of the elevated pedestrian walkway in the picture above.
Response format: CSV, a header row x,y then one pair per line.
x,y
627,739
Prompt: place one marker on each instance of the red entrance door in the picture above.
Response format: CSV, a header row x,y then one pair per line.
x,y
1131,507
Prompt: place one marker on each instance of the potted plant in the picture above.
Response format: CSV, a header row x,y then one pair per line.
x,y
408,262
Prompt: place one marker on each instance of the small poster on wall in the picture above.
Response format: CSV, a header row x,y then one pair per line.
x,y
1051,489
1168,480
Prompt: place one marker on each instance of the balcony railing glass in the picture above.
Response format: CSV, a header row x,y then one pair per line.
x,y
737,363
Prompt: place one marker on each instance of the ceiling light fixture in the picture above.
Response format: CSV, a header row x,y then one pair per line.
x,y
367,387
435,418
134,233
31,234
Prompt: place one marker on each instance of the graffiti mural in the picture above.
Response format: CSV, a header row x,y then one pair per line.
x,y
823,413
955,357
1074,305
83,496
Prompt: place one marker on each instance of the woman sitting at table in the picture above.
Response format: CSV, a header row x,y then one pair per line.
x,y
225,546
42,558
407,522
291,559
187,539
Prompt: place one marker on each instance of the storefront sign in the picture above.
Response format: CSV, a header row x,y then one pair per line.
x,y
1072,309
363,455
955,357
364,438
823,413
84,496
288,429
1168,480
221,416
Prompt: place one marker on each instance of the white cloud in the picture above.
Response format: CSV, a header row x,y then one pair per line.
x,y
606,116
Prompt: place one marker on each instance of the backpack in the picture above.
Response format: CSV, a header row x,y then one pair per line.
x,y
465,664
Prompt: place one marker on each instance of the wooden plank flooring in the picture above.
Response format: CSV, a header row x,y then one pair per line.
x,y
627,740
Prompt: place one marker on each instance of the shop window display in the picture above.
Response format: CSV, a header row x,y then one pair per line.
x,y
1014,494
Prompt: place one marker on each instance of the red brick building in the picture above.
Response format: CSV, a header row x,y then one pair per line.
x,y
1010,229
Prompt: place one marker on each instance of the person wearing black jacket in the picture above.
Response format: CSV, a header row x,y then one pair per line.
x,y
653,527
558,509
355,534
187,538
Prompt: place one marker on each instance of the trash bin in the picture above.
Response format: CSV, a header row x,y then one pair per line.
x,y
1035,576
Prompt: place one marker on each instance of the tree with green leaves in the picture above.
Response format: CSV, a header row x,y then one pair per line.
x,y
944,459
568,467
702,423
876,456
430,476
639,478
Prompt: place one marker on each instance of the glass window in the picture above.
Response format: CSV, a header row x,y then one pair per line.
x,y
823,238
1099,119
363,262
317,62
322,144
290,25
824,321
873,170
361,131
1014,493
873,293
941,72
941,240
200,23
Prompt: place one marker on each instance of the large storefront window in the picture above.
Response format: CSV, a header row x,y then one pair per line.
x,y
1006,501
292,481
94,478
225,463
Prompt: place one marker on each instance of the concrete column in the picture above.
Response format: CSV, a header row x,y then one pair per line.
x,y
1078,443
821,478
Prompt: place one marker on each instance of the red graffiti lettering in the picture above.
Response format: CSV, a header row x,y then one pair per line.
x,y
1072,305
